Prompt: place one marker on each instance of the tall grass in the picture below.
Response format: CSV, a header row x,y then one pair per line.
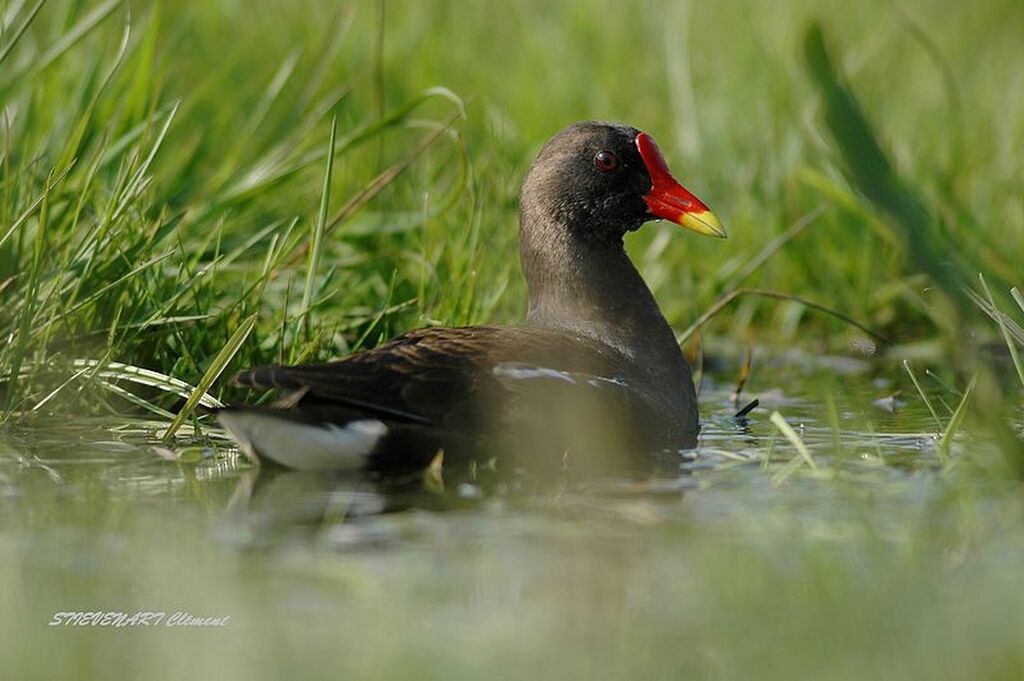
x,y
935,248
162,174
147,229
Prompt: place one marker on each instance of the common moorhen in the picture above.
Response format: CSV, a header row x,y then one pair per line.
x,y
595,371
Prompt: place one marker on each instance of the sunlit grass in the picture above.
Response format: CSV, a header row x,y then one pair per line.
x,y
159,179
191,187
142,225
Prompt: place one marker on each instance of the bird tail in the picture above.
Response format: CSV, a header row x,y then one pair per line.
x,y
286,438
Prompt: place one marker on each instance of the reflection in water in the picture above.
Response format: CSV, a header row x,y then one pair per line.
x,y
711,561
271,503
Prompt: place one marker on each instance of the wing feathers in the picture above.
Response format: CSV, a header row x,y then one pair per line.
x,y
430,376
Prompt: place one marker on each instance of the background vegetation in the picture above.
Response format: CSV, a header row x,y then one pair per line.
x,y
162,168
188,187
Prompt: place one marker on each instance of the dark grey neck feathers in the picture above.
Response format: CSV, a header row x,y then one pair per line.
x,y
580,280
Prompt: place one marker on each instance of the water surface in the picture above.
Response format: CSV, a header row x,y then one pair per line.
x,y
884,560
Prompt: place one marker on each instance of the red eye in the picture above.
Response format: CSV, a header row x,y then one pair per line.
x,y
606,161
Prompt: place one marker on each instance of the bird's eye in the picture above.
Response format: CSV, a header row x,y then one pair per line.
x,y
606,161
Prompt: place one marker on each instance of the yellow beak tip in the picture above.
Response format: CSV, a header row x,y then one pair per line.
x,y
706,223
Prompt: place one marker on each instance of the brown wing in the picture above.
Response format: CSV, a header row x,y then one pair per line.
x,y
433,375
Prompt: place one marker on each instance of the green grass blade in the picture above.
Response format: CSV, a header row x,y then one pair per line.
x,y
21,30
1001,322
956,419
317,237
1017,297
132,398
117,371
35,205
137,182
53,393
787,430
220,361
920,391
77,32
727,298
870,169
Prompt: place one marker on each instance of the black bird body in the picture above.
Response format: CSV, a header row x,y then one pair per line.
x,y
593,376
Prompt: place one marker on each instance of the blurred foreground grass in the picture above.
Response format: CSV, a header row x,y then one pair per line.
x,y
871,565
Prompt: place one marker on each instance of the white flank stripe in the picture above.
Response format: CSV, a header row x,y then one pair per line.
x,y
518,371
303,446
527,372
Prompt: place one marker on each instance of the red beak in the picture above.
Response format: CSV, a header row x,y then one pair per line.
x,y
670,200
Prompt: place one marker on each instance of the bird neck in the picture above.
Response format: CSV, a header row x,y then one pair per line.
x,y
591,288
